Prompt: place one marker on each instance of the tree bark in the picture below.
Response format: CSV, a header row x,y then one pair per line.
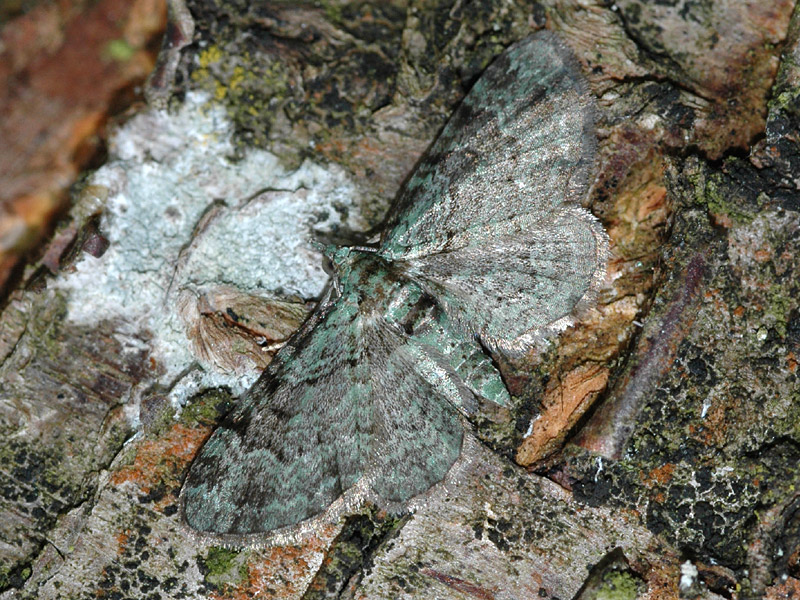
x,y
655,443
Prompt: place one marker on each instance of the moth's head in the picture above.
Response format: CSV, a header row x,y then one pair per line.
x,y
340,261
339,256
351,267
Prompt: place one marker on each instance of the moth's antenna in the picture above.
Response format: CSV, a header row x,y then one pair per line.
x,y
370,249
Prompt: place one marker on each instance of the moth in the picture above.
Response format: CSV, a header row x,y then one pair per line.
x,y
486,249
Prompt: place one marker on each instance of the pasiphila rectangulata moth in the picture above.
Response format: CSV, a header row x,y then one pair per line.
x,y
486,247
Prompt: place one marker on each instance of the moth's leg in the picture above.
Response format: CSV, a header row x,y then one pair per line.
x,y
274,347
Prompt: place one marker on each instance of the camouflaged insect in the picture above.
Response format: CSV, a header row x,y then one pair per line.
x,y
485,247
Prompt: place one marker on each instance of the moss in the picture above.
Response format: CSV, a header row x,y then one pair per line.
x,y
219,561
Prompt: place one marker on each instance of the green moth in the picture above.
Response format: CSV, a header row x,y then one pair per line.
x,y
485,248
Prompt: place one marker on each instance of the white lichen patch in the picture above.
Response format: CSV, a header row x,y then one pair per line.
x,y
182,213
688,583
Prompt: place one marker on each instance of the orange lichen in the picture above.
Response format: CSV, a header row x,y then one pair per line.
x,y
164,457
660,475
785,590
762,255
791,361
122,538
281,571
662,577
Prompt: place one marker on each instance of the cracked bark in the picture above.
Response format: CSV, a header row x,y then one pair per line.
x,y
664,457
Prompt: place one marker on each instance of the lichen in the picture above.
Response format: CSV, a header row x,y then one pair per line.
x,y
712,190
119,50
780,304
618,585
206,408
223,566
248,88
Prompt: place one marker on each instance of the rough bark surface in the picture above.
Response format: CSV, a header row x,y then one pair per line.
x,y
657,440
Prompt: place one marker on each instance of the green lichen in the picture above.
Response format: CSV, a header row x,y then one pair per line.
x,y
219,561
206,408
247,85
119,50
786,101
712,190
618,585
794,430
13,577
779,307
209,56
359,538
224,567
333,11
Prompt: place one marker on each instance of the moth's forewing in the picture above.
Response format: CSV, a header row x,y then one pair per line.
x,y
488,224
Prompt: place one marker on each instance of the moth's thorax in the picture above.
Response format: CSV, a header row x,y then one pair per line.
x,y
340,257
364,278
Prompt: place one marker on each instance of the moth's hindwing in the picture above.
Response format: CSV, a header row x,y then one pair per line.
x,y
349,402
